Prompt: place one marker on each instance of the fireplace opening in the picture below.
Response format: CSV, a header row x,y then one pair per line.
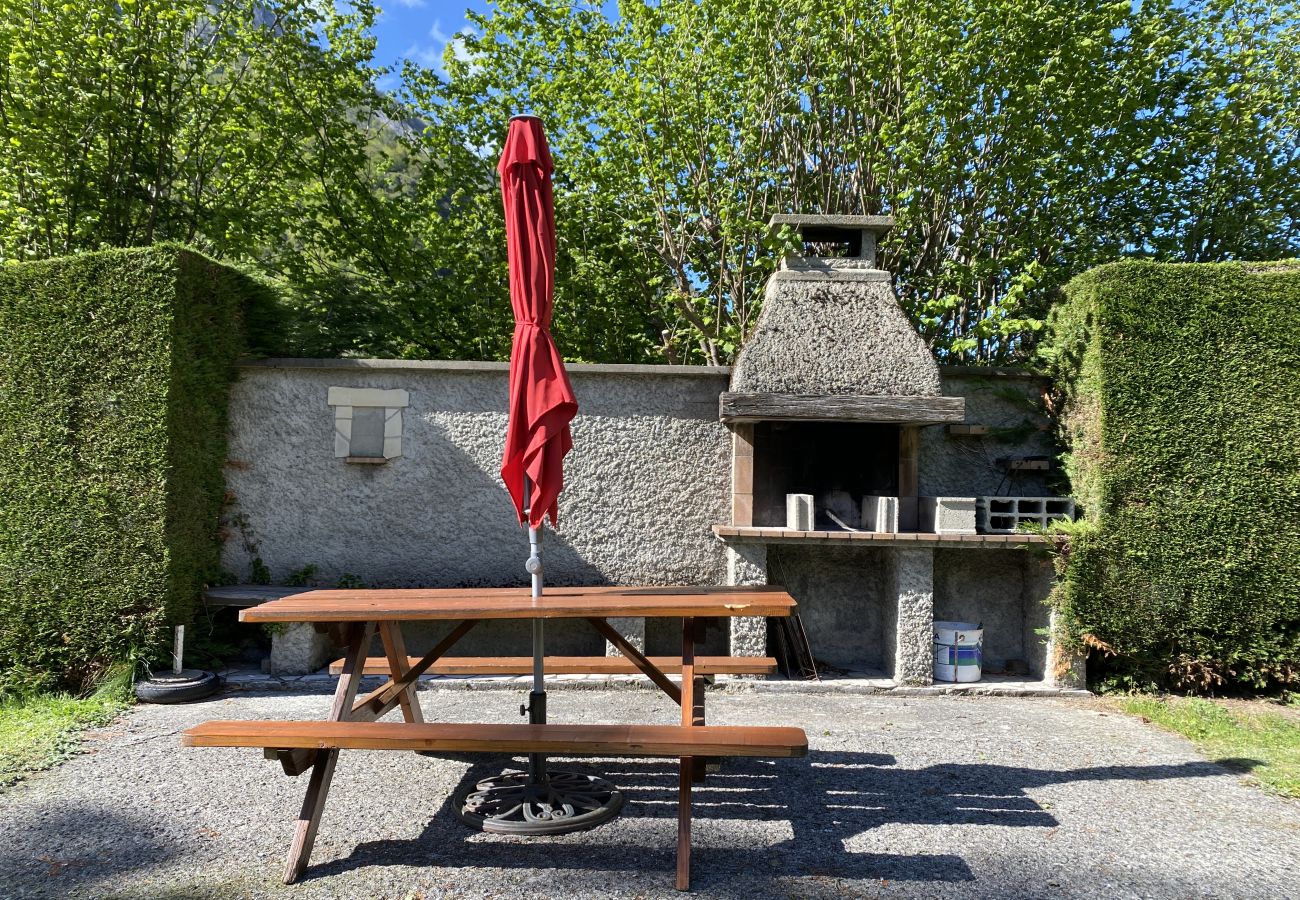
x,y
838,463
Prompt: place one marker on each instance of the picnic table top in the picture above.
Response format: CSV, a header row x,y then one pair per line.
x,y
412,604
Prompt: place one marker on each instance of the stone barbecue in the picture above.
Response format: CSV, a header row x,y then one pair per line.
x,y
832,387
826,404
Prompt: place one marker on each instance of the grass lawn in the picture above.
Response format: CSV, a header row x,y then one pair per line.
x,y
1248,736
41,731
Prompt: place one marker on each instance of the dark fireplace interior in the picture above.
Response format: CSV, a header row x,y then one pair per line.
x,y
822,459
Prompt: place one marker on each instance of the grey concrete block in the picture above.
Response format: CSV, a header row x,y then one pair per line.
x,y
946,515
1005,515
880,514
799,512
298,649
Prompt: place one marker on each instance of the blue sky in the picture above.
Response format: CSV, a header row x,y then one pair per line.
x,y
419,30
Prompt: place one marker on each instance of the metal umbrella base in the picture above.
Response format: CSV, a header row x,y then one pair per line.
x,y
557,803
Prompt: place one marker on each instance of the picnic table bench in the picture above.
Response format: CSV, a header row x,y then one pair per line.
x,y
353,724
576,665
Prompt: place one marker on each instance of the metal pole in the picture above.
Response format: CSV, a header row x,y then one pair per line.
x,y
537,698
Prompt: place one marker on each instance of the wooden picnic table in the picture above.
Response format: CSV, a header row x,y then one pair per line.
x,y
355,616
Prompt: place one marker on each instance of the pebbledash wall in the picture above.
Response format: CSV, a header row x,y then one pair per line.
x,y
649,476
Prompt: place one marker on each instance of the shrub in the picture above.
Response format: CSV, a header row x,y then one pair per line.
x,y
114,374
1180,401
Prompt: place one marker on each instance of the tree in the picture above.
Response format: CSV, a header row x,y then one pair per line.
x,y
241,127
1017,142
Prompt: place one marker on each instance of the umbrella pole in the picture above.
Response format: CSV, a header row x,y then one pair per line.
x,y
537,698
538,801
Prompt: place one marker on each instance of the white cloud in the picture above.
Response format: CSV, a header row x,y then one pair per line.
x,y
410,4
431,55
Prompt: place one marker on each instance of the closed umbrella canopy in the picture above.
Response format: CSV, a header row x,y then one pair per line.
x,y
541,399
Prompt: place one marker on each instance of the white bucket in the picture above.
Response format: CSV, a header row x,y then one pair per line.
x,y
958,651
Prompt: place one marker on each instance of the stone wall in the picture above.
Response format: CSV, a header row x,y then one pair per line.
x,y
647,478
967,466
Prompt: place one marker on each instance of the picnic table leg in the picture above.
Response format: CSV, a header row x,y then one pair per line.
x,y
697,708
322,771
395,650
686,765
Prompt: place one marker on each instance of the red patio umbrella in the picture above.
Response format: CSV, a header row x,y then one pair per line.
x,y
541,398
541,405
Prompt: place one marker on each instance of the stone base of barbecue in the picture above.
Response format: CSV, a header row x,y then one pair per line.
x,y
874,608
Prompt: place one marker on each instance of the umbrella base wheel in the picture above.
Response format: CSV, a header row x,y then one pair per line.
x,y
511,803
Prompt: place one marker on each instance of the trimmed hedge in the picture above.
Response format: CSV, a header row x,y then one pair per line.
x,y
115,369
1181,405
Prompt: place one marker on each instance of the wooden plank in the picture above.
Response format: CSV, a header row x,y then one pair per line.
x,y
754,407
398,665
575,665
687,696
686,763
418,604
684,824
378,702
571,740
909,455
322,771
693,632
637,658
293,762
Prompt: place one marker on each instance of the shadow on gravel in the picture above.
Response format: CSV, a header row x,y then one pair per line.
x,y
76,848
825,799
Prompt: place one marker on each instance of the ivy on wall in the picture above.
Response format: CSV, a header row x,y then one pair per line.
x,y
1181,407
114,374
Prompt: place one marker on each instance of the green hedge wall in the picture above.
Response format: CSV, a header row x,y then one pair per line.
x,y
114,373
1181,407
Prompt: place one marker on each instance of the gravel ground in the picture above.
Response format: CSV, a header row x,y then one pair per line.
x,y
899,797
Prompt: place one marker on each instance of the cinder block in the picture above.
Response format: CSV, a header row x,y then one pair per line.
x,y
880,514
947,515
1005,515
799,514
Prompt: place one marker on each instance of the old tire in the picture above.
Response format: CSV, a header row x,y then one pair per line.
x,y
168,687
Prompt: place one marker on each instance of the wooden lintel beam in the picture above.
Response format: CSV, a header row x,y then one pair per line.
x,y
754,407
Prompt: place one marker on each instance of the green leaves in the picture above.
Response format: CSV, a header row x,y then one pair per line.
x,y
1179,398
240,127
1016,142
